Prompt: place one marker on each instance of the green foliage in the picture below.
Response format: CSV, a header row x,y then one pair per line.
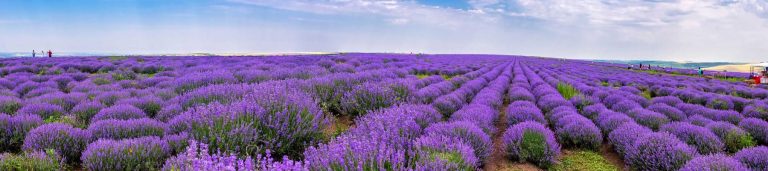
x,y
101,81
10,107
47,161
647,94
735,141
446,77
583,161
421,76
534,148
567,90
604,84
65,119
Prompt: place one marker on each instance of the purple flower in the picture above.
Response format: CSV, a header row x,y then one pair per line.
x,y
625,106
517,113
577,131
593,111
671,112
531,141
9,105
197,157
121,111
668,100
699,137
481,115
720,102
714,162
756,158
648,118
85,111
624,136
520,94
366,97
145,153
195,80
64,139
150,105
434,151
732,136
13,130
122,129
658,151
609,120
699,120
44,110
757,128
756,110
466,132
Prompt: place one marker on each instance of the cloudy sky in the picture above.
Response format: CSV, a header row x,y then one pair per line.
x,y
679,30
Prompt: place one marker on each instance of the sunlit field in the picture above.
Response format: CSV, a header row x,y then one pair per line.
x,y
358,111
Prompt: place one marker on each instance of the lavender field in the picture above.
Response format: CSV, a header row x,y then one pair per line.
x,y
359,111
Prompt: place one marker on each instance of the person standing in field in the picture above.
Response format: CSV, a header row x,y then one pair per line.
x,y
33,53
50,54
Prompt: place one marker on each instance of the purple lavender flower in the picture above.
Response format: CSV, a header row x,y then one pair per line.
x,y
699,137
720,102
521,113
658,151
85,111
9,105
44,110
123,129
672,113
434,151
757,128
732,136
609,120
369,96
624,136
714,162
593,111
531,141
756,110
13,130
466,132
64,139
121,111
145,153
197,157
577,131
481,115
668,100
756,158
699,120
150,105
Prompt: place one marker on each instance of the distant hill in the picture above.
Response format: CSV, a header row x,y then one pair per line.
x,y
686,65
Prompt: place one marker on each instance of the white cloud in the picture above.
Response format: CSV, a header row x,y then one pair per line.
x,y
697,30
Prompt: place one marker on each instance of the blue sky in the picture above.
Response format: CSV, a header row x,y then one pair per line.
x,y
701,30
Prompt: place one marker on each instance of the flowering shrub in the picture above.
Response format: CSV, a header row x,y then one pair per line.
x,y
435,152
121,111
713,162
145,153
13,130
699,137
531,141
64,139
465,132
658,151
122,129
756,158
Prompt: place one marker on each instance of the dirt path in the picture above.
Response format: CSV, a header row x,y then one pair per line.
x,y
611,156
498,159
